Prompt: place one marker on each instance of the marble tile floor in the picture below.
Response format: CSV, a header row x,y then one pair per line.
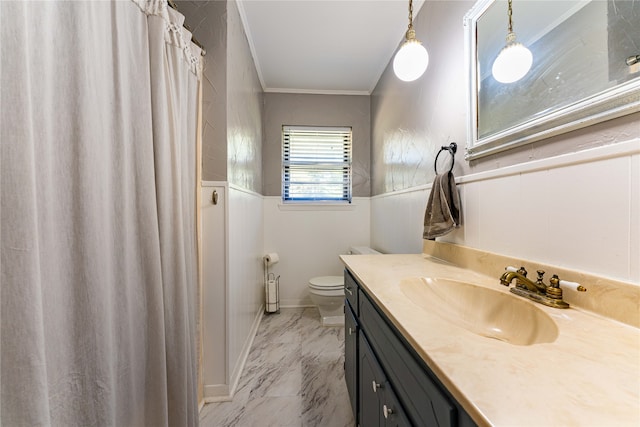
x,y
294,376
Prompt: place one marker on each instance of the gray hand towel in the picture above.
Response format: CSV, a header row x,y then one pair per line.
x,y
443,207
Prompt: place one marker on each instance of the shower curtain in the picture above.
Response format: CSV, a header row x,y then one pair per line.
x,y
97,217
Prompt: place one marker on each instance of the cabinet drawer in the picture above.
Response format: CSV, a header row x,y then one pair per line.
x,y
420,395
351,291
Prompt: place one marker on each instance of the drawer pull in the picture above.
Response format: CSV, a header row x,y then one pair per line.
x,y
350,331
376,386
346,288
386,411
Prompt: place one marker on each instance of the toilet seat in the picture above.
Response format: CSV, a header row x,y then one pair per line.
x,y
327,283
328,293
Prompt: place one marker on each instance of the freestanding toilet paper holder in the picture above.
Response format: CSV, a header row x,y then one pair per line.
x,y
271,285
272,294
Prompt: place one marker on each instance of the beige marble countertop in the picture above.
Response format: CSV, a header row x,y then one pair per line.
x,y
589,376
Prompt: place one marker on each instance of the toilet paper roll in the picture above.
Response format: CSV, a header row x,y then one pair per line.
x,y
271,304
272,258
271,291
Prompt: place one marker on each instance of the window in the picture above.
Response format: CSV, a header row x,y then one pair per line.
x,y
316,164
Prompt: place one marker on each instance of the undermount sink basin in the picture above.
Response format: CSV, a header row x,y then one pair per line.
x,y
481,310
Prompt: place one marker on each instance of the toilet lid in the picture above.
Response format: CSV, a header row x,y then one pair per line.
x,y
327,282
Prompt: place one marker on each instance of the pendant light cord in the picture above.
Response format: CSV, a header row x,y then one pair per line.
x,y
511,36
411,33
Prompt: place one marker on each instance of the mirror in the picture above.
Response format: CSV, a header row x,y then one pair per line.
x,y
583,69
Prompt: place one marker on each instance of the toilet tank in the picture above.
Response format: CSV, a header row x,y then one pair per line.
x,y
362,250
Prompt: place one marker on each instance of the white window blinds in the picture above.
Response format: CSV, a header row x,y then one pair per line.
x,y
316,163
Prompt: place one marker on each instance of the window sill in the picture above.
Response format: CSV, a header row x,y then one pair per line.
x,y
316,206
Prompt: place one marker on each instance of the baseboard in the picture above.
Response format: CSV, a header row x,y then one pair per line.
x,y
216,393
296,302
296,305
244,354
223,392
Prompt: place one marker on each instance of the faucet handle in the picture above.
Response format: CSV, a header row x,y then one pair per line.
x,y
540,275
522,271
567,284
554,290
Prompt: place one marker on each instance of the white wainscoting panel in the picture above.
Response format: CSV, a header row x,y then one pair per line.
x,y
634,218
579,211
214,270
245,274
232,273
397,221
309,242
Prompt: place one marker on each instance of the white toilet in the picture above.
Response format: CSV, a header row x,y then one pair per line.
x,y
327,292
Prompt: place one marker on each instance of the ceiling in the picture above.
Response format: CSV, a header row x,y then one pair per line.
x,y
328,46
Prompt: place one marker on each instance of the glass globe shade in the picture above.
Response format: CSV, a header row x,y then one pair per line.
x,y
512,64
411,61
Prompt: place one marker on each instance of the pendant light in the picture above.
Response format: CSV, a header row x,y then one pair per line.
x,y
412,59
514,60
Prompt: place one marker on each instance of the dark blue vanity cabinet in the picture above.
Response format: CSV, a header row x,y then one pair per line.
x,y
351,329
388,383
351,356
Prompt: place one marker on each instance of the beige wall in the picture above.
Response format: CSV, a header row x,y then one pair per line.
x,y
410,121
208,21
232,95
315,110
244,108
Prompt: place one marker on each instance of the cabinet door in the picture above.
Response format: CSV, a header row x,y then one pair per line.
x,y
394,415
370,391
351,356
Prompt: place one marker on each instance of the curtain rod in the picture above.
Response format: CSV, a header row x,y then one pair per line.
x,y
195,41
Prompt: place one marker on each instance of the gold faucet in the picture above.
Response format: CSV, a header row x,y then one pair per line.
x,y
521,280
549,295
